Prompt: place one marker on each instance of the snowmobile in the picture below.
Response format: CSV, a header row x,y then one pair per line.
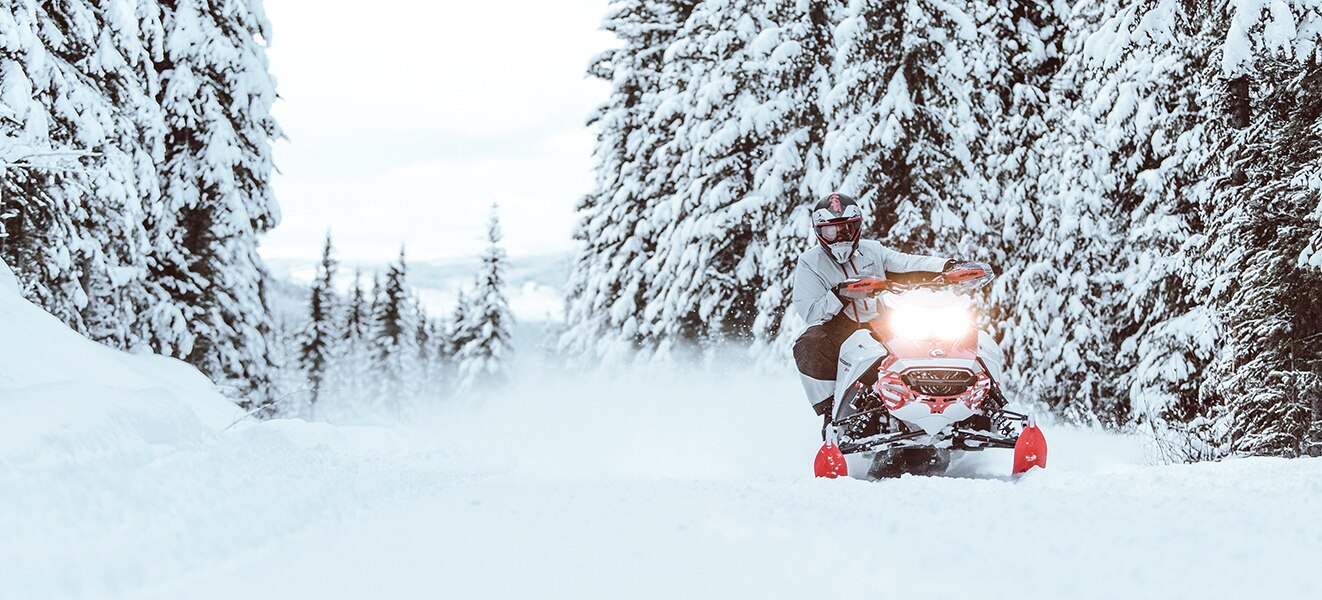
x,y
911,387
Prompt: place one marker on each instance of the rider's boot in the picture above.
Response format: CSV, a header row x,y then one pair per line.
x,y
816,390
824,409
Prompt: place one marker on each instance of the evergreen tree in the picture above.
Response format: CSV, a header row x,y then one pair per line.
x,y
484,360
1116,191
357,312
789,174
317,344
460,327
610,284
216,94
423,336
1261,395
739,161
1018,52
394,354
901,120
78,125
350,364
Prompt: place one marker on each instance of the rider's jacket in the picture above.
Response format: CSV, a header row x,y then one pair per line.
x,y
817,274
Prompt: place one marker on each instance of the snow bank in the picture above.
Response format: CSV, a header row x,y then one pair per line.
x,y
120,470
66,399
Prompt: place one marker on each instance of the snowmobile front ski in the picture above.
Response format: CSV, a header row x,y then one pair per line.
x,y
1030,450
830,462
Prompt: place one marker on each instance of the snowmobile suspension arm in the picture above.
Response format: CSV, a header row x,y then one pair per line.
x,y
988,441
868,444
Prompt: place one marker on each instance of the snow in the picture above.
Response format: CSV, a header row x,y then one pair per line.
x,y
123,479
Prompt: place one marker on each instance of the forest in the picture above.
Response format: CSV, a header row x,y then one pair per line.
x,y
1144,176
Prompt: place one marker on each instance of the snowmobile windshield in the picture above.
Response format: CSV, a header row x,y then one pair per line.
x,y
843,230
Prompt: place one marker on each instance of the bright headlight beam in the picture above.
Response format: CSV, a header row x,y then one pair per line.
x,y
931,323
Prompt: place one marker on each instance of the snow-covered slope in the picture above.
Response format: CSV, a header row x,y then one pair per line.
x,y
118,479
117,470
65,398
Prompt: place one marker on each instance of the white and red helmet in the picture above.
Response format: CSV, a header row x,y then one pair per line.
x,y
837,221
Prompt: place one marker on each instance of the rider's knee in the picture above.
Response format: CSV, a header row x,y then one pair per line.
x,y
810,342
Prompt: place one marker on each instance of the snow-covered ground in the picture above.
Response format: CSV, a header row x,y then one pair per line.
x,y
120,479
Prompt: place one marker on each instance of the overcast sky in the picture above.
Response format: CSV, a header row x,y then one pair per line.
x,y
406,119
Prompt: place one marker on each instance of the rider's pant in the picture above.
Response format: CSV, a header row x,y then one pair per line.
x,y
817,351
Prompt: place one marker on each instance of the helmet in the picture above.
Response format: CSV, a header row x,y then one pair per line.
x,y
837,221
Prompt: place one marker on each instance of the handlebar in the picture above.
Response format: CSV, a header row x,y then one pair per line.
x,y
968,275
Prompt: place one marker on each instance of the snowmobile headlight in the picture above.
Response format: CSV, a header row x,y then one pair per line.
x,y
917,323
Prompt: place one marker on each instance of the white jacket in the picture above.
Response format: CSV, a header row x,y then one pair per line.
x,y
817,274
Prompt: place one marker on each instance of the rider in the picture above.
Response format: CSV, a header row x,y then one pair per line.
x,y
839,256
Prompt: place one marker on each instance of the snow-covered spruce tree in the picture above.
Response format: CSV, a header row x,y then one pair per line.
x,y
216,93
1063,300
425,341
357,312
317,342
1018,51
739,84
1261,396
459,328
1061,339
77,79
393,355
348,371
901,120
1138,145
789,174
609,285
457,331
484,361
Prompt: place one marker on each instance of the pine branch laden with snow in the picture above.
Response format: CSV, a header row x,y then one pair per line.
x,y
610,284
78,81
1268,378
484,328
216,93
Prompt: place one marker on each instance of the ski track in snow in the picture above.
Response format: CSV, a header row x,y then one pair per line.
x,y
692,484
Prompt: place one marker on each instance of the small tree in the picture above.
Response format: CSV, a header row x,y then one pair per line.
x,y
393,337
345,381
485,357
318,339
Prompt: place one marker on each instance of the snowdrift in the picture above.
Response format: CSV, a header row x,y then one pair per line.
x,y
119,471
64,398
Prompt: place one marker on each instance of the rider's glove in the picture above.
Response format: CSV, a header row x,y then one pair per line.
x,y
950,264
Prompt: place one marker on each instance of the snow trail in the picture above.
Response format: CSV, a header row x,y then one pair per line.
x,y
696,484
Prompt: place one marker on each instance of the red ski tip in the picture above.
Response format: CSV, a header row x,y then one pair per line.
x,y
1030,450
830,462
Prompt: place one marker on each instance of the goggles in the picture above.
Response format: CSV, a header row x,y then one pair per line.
x,y
846,230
